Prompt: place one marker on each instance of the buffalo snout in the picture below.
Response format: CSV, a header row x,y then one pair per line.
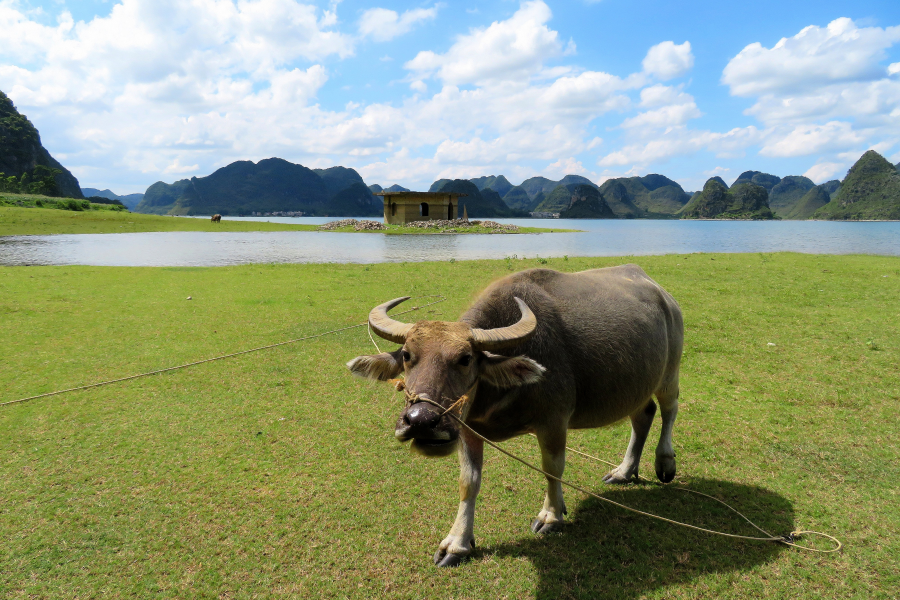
x,y
429,429
421,415
418,420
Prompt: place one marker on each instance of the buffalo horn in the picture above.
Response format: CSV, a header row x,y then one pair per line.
x,y
505,337
386,327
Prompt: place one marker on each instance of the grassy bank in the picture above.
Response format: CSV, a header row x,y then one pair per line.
x,y
276,473
18,220
44,221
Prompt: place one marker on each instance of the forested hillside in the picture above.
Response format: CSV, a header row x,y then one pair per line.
x,y
25,165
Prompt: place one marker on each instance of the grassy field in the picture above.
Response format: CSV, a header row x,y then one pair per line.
x,y
15,220
45,221
276,474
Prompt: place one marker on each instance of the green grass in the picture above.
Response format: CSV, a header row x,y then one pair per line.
x,y
45,221
276,474
17,220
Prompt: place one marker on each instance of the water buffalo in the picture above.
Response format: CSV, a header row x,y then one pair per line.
x,y
216,218
538,352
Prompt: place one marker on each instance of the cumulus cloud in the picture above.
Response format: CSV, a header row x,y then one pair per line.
x,y
813,139
657,95
825,171
505,51
667,60
718,171
681,141
825,92
677,110
816,56
567,166
175,167
172,88
382,24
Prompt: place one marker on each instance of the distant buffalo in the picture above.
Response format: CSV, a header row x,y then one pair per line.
x,y
216,218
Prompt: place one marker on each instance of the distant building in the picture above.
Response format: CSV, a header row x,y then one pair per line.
x,y
401,208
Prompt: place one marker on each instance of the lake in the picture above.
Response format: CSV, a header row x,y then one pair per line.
x,y
600,238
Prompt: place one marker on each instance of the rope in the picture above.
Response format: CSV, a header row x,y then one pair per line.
x,y
215,358
788,540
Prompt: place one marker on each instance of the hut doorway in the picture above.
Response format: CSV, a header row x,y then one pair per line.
x,y
423,209
450,212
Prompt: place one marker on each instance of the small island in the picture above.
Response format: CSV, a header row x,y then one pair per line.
x,y
433,227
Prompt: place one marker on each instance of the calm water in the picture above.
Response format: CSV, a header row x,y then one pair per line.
x,y
601,238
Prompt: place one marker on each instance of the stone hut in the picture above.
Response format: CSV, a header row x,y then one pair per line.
x,y
401,208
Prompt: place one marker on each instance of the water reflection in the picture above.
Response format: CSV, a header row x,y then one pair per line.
x,y
600,238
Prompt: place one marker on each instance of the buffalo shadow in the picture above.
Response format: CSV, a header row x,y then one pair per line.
x,y
607,552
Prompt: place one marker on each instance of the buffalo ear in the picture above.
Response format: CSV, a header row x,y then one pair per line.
x,y
381,367
507,372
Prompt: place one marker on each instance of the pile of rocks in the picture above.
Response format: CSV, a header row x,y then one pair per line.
x,y
337,224
367,225
498,226
445,225
441,223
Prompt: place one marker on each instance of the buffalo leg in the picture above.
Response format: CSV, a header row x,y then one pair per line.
x,y
461,539
665,453
640,427
553,461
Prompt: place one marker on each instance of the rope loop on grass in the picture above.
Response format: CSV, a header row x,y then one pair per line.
x,y
440,298
788,540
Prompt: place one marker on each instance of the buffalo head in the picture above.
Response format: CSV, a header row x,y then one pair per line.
x,y
441,361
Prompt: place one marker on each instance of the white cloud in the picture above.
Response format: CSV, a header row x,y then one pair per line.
x,y
668,60
680,112
823,92
510,50
169,88
804,140
176,168
869,102
657,95
718,171
680,141
382,24
567,166
840,52
590,93
825,171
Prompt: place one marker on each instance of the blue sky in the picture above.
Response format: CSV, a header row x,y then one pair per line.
x,y
132,92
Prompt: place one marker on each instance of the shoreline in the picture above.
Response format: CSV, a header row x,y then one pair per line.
x,y
31,221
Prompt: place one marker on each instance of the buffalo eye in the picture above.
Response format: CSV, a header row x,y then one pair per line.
x,y
465,360
406,356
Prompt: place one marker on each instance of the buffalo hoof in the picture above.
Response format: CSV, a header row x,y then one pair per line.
x,y
665,468
442,558
541,528
619,476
